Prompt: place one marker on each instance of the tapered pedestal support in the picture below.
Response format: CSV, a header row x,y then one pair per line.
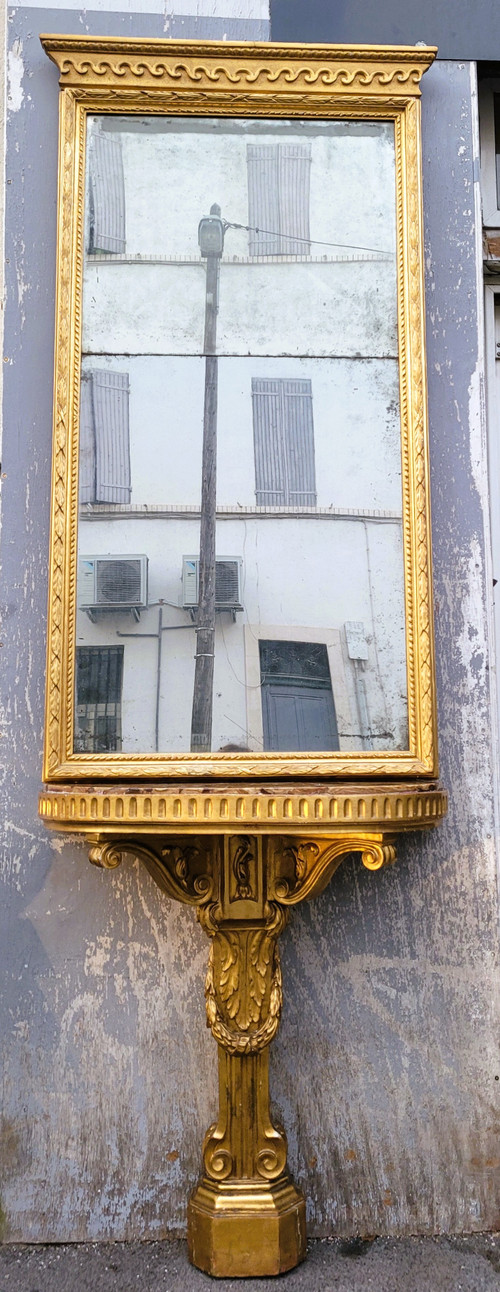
x,y
245,1217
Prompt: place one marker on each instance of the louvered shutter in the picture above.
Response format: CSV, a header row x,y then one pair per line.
x,y
283,443
294,175
298,435
270,482
107,193
111,425
86,442
263,200
279,177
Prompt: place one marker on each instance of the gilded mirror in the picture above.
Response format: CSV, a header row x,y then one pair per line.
x,y
244,550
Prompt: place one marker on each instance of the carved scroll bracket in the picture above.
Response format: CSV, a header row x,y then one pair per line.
x,y
185,871
242,886
302,868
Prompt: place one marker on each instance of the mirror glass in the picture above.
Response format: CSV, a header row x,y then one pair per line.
x,y
240,556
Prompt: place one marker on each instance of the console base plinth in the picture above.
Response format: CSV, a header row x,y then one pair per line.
x,y
246,1228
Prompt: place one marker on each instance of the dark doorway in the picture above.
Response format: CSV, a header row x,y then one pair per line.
x,y
297,700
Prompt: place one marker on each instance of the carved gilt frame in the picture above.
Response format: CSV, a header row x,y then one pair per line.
x,y
199,78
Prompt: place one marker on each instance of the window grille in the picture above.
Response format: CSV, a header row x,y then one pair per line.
x,y
99,675
304,663
283,429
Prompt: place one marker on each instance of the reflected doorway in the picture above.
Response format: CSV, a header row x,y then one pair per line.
x,y
298,709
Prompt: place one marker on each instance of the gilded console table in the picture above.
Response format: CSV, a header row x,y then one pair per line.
x,y
243,857
157,660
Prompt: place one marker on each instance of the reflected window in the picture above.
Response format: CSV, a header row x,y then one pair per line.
x,y
104,437
99,676
278,199
295,399
106,193
283,443
297,700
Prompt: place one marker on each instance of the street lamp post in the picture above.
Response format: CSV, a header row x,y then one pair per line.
x,y
211,242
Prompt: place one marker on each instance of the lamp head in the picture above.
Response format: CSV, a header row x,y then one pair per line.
x,y
211,233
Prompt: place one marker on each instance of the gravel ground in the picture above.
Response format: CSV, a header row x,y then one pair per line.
x,y
384,1265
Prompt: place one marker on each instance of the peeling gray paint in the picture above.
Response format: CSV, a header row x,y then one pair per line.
x,y
384,1068
15,72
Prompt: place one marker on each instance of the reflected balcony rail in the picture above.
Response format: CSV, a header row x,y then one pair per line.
x,y
119,258
184,511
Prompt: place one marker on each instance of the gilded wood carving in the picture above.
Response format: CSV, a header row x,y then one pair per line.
x,y
244,832
244,1154
262,81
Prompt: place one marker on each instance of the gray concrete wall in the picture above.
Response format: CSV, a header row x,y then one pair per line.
x,y
464,29
386,1067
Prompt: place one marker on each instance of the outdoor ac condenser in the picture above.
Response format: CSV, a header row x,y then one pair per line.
x,y
227,582
112,582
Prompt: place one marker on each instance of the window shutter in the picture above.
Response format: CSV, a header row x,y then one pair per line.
x,y
283,443
104,448
107,193
279,177
263,203
294,177
111,425
299,440
268,443
86,442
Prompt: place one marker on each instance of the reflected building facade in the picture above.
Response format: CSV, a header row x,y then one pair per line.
x,y
310,628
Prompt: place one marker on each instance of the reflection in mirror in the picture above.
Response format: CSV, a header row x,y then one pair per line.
x,y
240,572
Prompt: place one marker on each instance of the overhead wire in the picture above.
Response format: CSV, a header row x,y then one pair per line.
x,y
318,242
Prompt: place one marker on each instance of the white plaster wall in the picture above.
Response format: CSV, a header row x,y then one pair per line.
x,y
342,302
317,308
345,308
310,572
298,573
356,428
173,173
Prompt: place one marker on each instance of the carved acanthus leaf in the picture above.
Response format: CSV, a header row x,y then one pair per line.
x,y
243,986
243,961
237,1032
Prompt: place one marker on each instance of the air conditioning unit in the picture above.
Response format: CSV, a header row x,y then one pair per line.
x,y
227,582
112,582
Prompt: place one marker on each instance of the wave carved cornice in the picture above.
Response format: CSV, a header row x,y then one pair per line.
x,y
86,62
